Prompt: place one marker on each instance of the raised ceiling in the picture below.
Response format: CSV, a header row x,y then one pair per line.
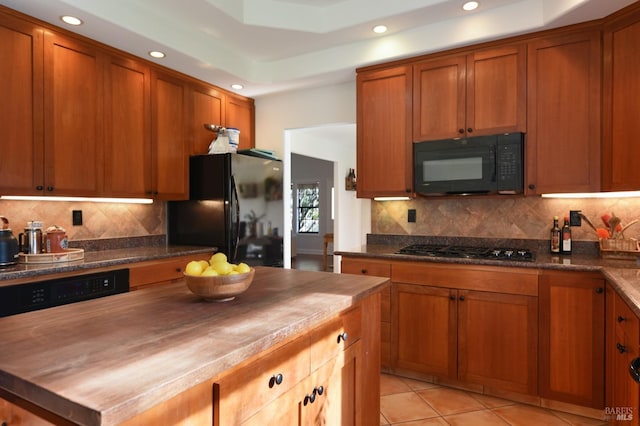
x,y
276,45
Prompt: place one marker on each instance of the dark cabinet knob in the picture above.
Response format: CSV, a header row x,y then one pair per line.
x,y
462,298
621,348
363,271
469,130
532,186
320,390
39,187
276,379
178,269
461,131
621,318
49,188
452,297
599,290
309,399
342,337
407,190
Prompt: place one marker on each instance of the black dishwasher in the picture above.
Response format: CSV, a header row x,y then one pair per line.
x,y
32,296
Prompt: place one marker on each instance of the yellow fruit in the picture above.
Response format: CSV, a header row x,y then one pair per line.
x,y
243,268
204,264
234,273
193,268
223,268
218,257
209,272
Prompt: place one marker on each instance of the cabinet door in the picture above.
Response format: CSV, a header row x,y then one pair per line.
x,y
73,117
424,334
623,345
620,148
207,108
563,136
240,113
505,327
170,159
384,148
127,129
572,338
497,91
21,109
439,90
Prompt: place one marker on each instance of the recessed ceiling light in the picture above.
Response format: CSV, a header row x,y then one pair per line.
x,y
379,29
237,86
156,54
71,20
470,5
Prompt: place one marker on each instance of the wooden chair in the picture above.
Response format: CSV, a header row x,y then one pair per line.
x,y
328,238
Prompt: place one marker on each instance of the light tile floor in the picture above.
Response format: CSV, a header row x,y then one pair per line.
x,y
409,402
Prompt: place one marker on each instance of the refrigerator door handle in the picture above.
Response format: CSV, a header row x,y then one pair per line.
x,y
235,239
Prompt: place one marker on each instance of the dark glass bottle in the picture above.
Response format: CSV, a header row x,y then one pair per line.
x,y
566,237
555,236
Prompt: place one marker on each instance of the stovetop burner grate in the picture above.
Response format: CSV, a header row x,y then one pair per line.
x,y
497,253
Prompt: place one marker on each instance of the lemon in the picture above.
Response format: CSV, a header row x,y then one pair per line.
x,y
243,268
193,268
218,257
223,268
209,272
204,264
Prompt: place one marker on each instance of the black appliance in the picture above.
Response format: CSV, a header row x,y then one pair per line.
x,y
451,251
235,205
475,165
32,296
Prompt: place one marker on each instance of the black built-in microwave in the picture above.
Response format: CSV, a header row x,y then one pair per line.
x,y
475,165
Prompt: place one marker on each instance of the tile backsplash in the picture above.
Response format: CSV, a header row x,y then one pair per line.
x,y
100,220
495,217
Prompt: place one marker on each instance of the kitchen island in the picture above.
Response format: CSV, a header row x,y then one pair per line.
x,y
164,355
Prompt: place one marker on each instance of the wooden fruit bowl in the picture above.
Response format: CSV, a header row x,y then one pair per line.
x,y
221,288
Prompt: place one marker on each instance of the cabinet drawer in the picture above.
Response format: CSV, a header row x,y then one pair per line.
x,y
249,389
627,323
366,267
329,340
157,271
471,277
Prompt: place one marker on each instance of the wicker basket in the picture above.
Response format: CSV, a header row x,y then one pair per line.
x,y
619,249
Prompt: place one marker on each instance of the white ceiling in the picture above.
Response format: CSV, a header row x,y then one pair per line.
x,y
276,45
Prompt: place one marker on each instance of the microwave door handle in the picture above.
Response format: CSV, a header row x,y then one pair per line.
x,y
235,236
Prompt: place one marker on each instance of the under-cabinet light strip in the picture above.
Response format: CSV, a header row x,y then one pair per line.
x,y
78,199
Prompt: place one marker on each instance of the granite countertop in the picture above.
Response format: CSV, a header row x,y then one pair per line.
x,y
102,361
100,259
624,275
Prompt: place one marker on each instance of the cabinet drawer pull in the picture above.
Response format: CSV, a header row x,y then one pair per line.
x,y
469,130
462,298
320,390
49,188
363,271
621,348
461,131
621,318
276,379
452,297
342,337
599,290
39,187
310,399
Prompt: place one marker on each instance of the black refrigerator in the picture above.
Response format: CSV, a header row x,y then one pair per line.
x,y
235,204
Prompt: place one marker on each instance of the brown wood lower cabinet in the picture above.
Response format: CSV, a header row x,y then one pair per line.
x,y
478,337
572,337
623,346
162,271
321,377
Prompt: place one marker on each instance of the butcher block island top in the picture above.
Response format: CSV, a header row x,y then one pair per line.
x,y
104,361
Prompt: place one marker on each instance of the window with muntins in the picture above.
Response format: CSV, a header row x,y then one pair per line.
x,y
308,202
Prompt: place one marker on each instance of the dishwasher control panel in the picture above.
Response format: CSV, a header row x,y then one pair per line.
x,y
26,297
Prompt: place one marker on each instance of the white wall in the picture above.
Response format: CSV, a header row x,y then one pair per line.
x,y
318,123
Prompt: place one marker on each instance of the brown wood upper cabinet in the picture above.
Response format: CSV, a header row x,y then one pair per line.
x,y
240,113
384,148
207,108
620,148
563,137
477,94
21,109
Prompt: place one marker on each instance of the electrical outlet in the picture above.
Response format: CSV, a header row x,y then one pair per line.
x,y
574,218
411,215
76,217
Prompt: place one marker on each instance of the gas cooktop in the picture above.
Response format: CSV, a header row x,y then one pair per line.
x,y
497,253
